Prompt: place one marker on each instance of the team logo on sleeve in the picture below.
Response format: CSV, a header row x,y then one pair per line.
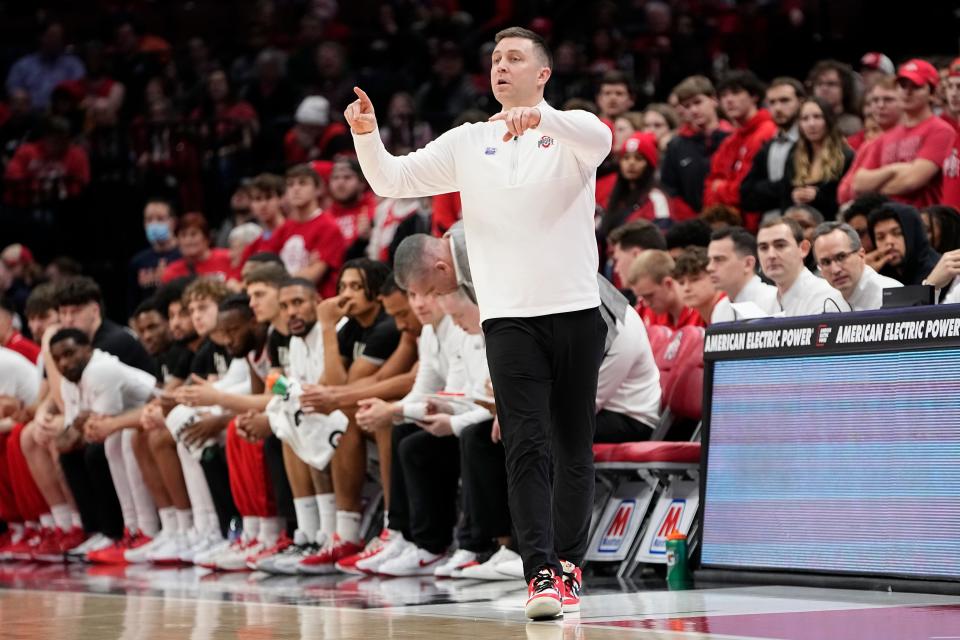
x,y
490,151
545,142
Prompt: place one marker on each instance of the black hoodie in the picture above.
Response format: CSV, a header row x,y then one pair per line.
x,y
920,258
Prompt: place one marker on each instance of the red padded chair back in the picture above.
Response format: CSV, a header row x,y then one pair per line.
x,y
659,337
685,349
686,398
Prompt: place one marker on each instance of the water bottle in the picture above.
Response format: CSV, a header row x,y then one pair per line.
x,y
678,571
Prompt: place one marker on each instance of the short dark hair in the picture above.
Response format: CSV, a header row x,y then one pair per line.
x,y
787,81
67,266
268,183
721,214
78,290
742,80
848,81
689,233
795,229
70,333
372,272
881,214
149,305
172,292
744,242
303,171
693,261
298,282
615,76
238,302
639,234
265,257
538,42
865,205
165,202
694,86
390,286
42,300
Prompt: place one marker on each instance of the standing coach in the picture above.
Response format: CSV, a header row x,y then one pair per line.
x,y
526,180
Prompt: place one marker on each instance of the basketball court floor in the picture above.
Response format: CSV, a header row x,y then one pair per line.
x,y
93,603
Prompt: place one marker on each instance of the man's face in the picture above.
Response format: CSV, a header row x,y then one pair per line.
x,y
299,305
192,242
781,258
859,223
464,313
887,106
265,207
829,87
890,241
203,314
727,270
240,202
915,98
614,100
301,191
438,280
351,287
85,317
157,212
71,359
426,308
696,290
41,322
397,305
659,297
951,91
840,266
517,74
181,325
237,330
153,331
623,259
264,301
345,185
783,104
702,110
737,104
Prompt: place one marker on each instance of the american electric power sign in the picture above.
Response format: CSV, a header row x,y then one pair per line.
x,y
836,332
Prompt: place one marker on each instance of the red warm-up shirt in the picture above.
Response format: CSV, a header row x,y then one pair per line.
x,y
216,263
24,346
951,168
354,218
688,318
319,237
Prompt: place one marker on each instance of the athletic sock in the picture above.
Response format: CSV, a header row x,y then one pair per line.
x,y
308,516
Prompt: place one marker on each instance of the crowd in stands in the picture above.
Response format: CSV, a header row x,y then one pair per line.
x,y
283,319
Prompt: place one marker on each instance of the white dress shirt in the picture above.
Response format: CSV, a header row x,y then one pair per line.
x,y
810,296
868,294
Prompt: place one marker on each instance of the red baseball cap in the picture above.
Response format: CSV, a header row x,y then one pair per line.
x,y
643,143
953,70
877,61
16,254
919,72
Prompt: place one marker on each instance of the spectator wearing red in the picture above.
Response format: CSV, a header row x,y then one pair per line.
x,y
48,171
886,109
309,243
266,194
951,114
906,162
658,295
818,160
636,194
314,137
198,258
740,95
352,205
875,66
446,211
10,337
835,83
687,159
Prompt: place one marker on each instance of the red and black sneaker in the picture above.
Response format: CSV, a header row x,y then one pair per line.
x,y
544,595
572,583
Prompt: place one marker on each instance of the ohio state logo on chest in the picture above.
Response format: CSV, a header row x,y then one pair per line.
x,y
545,142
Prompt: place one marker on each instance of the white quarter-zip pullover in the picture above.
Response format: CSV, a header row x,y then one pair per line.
x,y
528,205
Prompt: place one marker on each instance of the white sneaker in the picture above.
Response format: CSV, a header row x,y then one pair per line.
x,y
270,564
412,562
487,570
94,543
140,555
456,563
234,558
392,549
289,564
206,542
511,568
169,550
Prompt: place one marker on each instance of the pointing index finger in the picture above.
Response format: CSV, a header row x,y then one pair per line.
x,y
364,98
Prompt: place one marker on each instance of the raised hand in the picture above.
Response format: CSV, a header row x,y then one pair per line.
x,y
359,113
518,120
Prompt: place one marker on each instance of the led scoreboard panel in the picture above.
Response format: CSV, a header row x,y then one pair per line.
x,y
832,444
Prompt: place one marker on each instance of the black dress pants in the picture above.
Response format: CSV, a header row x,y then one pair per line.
x,y
483,489
544,371
431,468
88,475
